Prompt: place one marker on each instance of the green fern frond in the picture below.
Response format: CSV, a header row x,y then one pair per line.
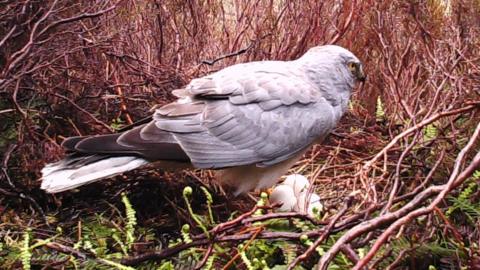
x,y
244,257
209,204
74,262
351,105
168,265
462,202
120,243
187,192
117,124
209,264
289,252
476,175
87,245
186,233
430,132
25,251
118,266
131,221
261,202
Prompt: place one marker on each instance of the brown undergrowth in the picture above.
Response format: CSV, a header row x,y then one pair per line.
x,y
398,178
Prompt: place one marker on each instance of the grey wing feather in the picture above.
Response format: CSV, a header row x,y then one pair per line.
x,y
247,115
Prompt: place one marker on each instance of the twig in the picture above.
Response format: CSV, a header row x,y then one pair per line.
x,y
399,259
241,51
396,182
350,253
205,257
67,250
346,25
455,179
16,192
84,111
237,255
283,215
229,224
322,237
449,225
159,255
416,127
79,254
372,224
347,222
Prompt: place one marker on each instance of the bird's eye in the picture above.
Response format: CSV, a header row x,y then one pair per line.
x,y
352,66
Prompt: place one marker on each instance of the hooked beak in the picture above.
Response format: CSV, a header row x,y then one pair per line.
x,y
359,73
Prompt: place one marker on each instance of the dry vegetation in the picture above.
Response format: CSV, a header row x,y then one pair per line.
x,y
400,177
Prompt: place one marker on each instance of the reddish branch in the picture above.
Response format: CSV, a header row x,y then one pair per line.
x,y
95,119
77,253
340,33
239,52
422,78
322,237
16,192
37,32
257,231
396,182
425,122
205,257
456,178
159,255
407,212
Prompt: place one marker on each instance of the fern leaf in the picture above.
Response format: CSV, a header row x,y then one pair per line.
x,y
430,132
131,221
25,253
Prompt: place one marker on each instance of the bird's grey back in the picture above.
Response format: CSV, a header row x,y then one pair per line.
x,y
260,112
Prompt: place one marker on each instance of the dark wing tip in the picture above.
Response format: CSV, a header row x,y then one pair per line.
x,y
70,142
100,144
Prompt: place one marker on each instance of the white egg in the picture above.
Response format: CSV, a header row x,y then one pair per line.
x,y
283,194
298,182
314,204
301,202
314,198
307,207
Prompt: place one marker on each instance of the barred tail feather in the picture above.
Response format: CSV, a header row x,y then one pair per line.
x,y
73,172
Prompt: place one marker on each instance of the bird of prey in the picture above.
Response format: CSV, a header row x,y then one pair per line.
x,y
250,122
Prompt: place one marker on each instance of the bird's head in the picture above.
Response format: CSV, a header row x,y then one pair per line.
x,y
337,60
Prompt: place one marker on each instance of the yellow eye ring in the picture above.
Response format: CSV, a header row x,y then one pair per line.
x,y
352,66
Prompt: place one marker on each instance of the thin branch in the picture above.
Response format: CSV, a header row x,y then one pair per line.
x,y
418,126
404,214
159,255
454,180
239,52
346,25
84,111
322,237
205,257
